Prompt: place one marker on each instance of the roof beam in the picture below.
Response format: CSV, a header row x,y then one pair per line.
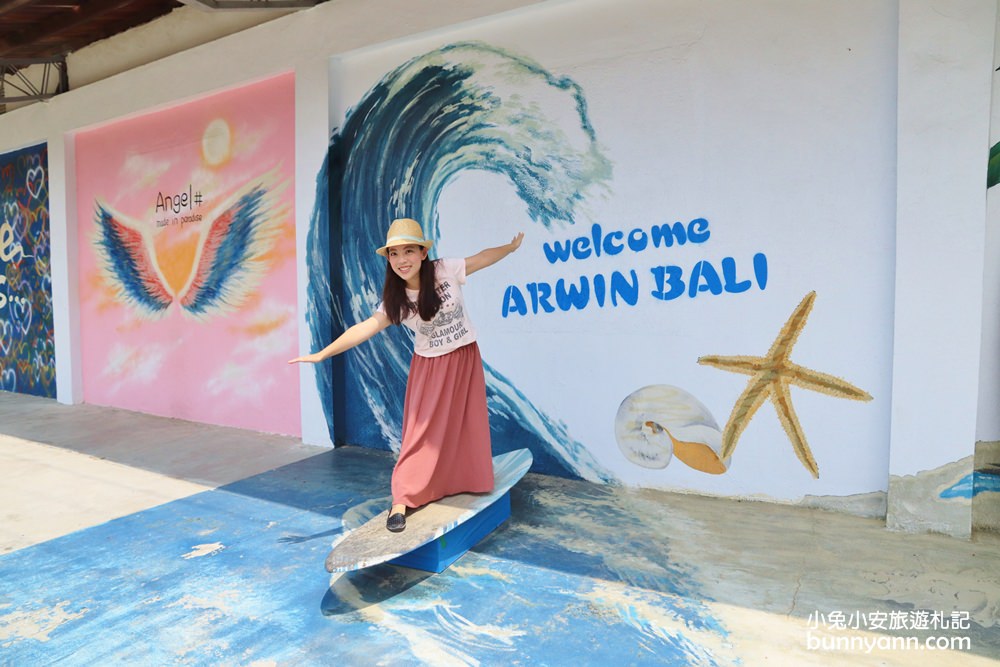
x,y
55,27
252,4
12,5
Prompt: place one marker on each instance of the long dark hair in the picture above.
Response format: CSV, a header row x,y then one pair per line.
x,y
398,306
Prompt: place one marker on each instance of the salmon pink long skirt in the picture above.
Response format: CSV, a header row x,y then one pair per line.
x,y
446,430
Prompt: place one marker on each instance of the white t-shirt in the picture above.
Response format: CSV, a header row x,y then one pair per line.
x,y
451,328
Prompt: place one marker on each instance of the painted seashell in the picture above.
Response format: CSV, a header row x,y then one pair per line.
x,y
661,421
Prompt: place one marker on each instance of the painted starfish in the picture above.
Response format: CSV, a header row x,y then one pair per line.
x,y
770,377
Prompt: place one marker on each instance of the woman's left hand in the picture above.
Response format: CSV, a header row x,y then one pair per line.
x,y
491,256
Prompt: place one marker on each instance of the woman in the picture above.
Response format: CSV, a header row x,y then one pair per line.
x,y
446,433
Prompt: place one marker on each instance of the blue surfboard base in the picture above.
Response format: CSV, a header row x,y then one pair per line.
x,y
435,556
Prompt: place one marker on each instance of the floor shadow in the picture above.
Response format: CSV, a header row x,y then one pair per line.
x,y
351,592
191,451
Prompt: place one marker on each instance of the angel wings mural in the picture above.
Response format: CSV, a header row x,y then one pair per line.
x,y
187,270
230,254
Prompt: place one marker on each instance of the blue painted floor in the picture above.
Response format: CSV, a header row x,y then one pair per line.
x,y
235,575
580,575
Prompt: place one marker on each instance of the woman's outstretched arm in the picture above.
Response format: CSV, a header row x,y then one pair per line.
x,y
491,256
353,337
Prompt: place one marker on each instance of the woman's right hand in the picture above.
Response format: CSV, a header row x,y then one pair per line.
x,y
353,337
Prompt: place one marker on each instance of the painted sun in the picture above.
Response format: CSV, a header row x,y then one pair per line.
x,y
216,143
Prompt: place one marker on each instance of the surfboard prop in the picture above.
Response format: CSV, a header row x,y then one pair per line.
x,y
436,534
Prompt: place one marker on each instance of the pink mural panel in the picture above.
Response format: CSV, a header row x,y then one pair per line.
x,y
187,260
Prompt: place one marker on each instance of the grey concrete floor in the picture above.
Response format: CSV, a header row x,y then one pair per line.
x,y
783,584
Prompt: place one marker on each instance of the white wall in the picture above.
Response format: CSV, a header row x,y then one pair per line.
x,y
988,425
707,110
945,71
945,77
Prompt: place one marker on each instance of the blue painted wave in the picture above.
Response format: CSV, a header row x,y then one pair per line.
x,y
464,106
971,485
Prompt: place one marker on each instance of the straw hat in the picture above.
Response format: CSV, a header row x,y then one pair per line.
x,y
404,231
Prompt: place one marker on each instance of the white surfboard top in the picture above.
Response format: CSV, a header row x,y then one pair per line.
x,y
372,543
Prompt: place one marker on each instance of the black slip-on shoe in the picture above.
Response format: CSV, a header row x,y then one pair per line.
x,y
396,522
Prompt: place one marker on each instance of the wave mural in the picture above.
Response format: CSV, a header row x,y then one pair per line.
x,y
464,106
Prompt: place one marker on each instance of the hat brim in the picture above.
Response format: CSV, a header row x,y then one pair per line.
x,y
384,250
